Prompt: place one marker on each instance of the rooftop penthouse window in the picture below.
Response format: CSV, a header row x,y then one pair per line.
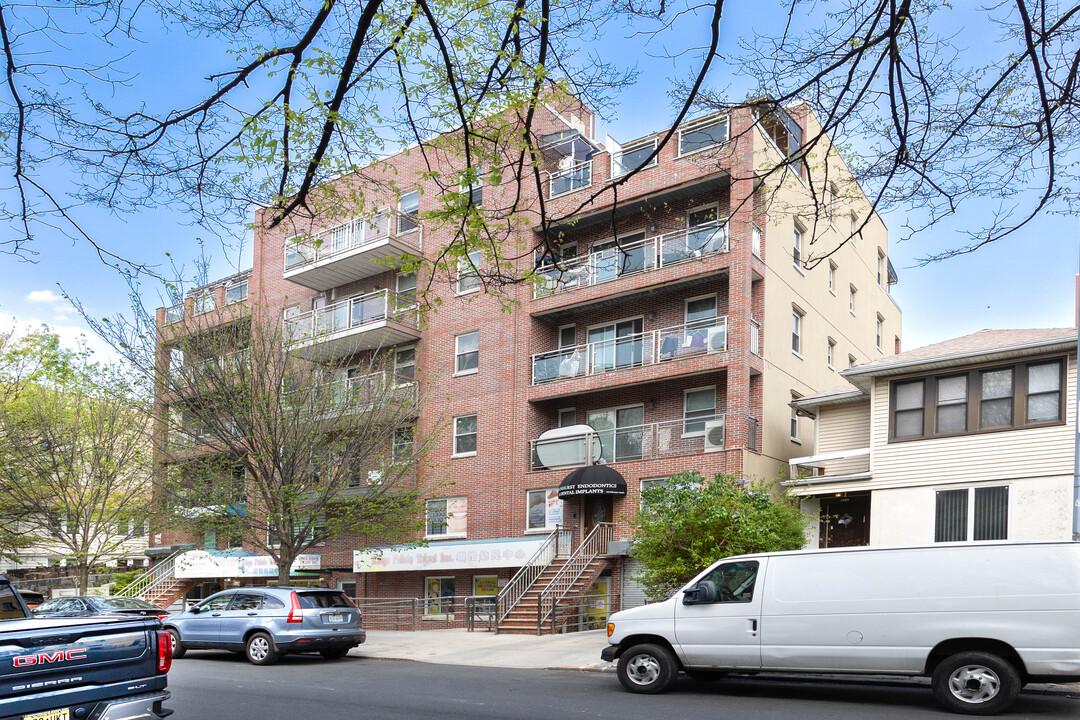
x,y
633,157
702,134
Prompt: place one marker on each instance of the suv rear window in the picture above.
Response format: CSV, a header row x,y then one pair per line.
x,y
324,600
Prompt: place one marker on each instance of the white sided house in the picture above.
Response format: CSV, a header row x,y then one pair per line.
x,y
965,440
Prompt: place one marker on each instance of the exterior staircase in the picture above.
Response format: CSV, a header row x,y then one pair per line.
x,y
160,586
550,586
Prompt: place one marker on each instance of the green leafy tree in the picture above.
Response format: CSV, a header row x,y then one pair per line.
x,y
687,524
75,456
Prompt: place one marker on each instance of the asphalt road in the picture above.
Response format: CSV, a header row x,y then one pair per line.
x,y
223,686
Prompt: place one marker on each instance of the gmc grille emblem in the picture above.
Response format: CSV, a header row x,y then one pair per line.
x,y
44,658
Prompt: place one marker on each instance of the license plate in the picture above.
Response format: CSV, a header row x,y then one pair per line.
x,y
335,618
64,714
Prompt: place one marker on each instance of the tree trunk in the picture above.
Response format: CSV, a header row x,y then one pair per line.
x,y
84,578
284,568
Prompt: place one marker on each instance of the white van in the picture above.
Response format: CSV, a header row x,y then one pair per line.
x,y
980,619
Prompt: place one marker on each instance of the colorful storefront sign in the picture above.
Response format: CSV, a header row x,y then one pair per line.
x,y
447,556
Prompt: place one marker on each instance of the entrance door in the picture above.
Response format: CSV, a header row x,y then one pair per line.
x,y
595,509
845,521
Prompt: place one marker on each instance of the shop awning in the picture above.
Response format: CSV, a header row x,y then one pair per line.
x,y
592,480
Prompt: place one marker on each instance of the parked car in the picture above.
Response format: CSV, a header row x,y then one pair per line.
x,y
265,623
85,605
979,619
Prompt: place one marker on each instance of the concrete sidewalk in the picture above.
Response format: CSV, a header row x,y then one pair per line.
x,y
572,651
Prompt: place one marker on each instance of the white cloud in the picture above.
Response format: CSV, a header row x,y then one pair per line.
x,y
73,337
44,296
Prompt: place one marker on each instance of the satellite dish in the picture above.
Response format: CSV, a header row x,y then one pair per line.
x,y
568,446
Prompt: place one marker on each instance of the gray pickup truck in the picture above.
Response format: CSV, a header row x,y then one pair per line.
x,y
94,668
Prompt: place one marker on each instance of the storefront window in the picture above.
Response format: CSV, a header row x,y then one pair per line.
x,y
438,595
545,509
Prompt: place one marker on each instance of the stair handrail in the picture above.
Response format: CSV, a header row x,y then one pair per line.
x,y
556,543
594,545
162,572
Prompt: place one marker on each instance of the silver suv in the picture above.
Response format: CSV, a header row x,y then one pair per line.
x,y
265,623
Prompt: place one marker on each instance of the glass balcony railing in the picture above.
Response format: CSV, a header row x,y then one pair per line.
x,y
608,264
684,436
351,313
575,177
630,351
347,237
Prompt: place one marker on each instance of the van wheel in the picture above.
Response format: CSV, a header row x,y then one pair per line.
x,y
259,649
647,669
178,650
976,683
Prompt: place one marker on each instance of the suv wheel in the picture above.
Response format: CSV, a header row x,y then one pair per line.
x,y
178,650
259,649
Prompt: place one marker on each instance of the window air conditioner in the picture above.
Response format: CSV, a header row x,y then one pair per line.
x,y
714,435
716,339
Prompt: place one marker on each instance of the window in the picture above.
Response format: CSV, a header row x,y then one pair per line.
x,y
880,330
795,419
406,288
951,408
633,157
830,198
408,212
236,293
698,406
204,303
796,330
983,399
567,336
796,247
853,227
544,509
473,186
438,595
996,403
401,449
989,521
734,581
315,531
880,268
567,417
851,298
405,365
468,275
850,361
447,517
830,353
466,353
702,134
908,404
465,435
832,277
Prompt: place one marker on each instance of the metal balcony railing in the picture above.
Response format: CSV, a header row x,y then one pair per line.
x,y
755,337
630,351
575,177
349,236
351,313
685,436
611,263
174,314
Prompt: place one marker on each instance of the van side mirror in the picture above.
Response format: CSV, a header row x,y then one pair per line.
x,y
701,594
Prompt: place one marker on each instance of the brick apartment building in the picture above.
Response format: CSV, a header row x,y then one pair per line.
x,y
676,346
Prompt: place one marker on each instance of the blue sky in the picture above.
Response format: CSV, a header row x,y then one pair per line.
x,y
1025,280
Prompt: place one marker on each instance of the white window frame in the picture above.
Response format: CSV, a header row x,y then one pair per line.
x,y
880,330
398,365
794,429
701,124
473,188
832,197
411,217
686,308
562,411
475,434
204,302
829,353
234,287
468,272
880,268
755,240
832,278
446,534
395,443
546,527
797,316
428,601
687,419
796,247
459,354
852,290
616,158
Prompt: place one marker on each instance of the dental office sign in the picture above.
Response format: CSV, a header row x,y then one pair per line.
x,y
202,564
447,556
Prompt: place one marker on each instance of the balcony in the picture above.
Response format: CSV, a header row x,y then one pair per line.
x,y
840,466
357,394
640,442
357,249
197,372
701,337
366,322
650,254
576,176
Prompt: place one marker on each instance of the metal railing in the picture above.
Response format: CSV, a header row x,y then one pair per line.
x,y
346,237
163,572
364,390
685,436
195,372
174,314
351,313
558,543
755,337
630,351
575,177
591,612
593,546
651,253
